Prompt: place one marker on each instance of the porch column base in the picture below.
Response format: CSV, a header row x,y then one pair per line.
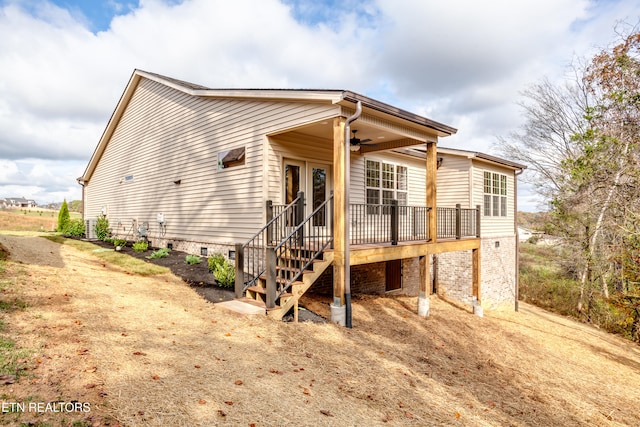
x,y
477,308
423,306
339,314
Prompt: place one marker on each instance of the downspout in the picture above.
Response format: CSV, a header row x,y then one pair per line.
x,y
347,219
515,226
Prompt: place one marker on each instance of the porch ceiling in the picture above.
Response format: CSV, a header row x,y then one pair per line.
x,y
324,130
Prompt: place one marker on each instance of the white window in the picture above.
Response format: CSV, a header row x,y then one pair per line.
x,y
495,194
385,182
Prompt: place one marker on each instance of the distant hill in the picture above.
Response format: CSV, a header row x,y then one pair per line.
x,y
533,220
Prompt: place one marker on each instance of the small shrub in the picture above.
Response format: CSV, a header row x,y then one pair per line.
x,y
102,228
75,228
214,260
141,246
192,259
223,271
160,253
119,242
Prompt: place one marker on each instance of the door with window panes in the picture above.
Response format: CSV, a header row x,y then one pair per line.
x,y
314,180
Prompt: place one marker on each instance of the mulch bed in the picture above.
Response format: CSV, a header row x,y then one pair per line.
x,y
199,277
196,275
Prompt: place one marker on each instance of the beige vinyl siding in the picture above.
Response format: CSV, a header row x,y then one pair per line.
x,y
453,182
493,225
166,135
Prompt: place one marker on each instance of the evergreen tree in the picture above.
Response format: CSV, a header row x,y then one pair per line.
x,y
63,217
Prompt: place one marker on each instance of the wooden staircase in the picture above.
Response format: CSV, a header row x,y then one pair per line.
x,y
289,265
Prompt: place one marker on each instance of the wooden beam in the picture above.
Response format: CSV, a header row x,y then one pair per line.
x,y
425,275
369,254
339,204
431,178
405,142
475,273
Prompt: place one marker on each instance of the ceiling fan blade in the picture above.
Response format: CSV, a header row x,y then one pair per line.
x,y
364,141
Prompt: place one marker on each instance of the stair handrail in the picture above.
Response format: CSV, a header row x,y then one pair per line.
x,y
259,241
281,247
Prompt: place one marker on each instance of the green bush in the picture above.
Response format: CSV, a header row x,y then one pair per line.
x,y
63,217
223,271
141,246
119,242
75,228
192,259
160,253
102,228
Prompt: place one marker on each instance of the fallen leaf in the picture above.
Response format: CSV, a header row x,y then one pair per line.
x,y
91,369
228,402
202,401
325,412
228,334
123,334
197,366
408,414
78,322
155,377
222,413
457,415
238,382
307,391
91,385
83,351
275,371
139,353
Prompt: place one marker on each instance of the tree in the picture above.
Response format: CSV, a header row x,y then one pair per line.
x,y
582,141
63,217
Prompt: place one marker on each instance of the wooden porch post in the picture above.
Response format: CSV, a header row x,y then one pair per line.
x,y
432,172
475,266
339,202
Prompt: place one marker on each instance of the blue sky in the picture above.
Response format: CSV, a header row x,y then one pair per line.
x,y
65,63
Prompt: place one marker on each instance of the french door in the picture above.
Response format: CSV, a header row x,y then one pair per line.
x,y
315,180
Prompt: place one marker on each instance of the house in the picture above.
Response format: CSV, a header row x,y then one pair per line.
x,y
306,190
17,202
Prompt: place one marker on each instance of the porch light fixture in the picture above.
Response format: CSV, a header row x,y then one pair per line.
x,y
354,148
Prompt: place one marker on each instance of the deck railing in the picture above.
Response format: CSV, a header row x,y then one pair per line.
x,y
456,223
250,257
388,223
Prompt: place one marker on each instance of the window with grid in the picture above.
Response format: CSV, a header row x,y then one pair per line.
x,y
385,182
495,194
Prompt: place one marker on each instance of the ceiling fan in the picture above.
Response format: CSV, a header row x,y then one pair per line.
x,y
355,142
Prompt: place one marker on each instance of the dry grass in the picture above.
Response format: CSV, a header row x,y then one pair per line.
x,y
163,356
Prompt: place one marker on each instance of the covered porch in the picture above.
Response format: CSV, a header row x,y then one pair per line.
x,y
327,229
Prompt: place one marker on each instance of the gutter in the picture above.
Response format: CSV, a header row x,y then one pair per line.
x,y
515,225
347,220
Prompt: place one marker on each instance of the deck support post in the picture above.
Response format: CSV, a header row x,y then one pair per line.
x,y
475,273
271,277
239,281
432,172
425,285
339,206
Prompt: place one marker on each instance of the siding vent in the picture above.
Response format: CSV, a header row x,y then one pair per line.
x,y
203,251
497,245
170,246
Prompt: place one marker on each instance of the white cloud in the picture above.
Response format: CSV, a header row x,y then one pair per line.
x,y
460,62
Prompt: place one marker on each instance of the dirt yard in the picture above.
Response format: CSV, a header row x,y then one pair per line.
x,y
149,351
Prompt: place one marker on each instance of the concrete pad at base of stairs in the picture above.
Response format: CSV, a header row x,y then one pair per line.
x,y
241,307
